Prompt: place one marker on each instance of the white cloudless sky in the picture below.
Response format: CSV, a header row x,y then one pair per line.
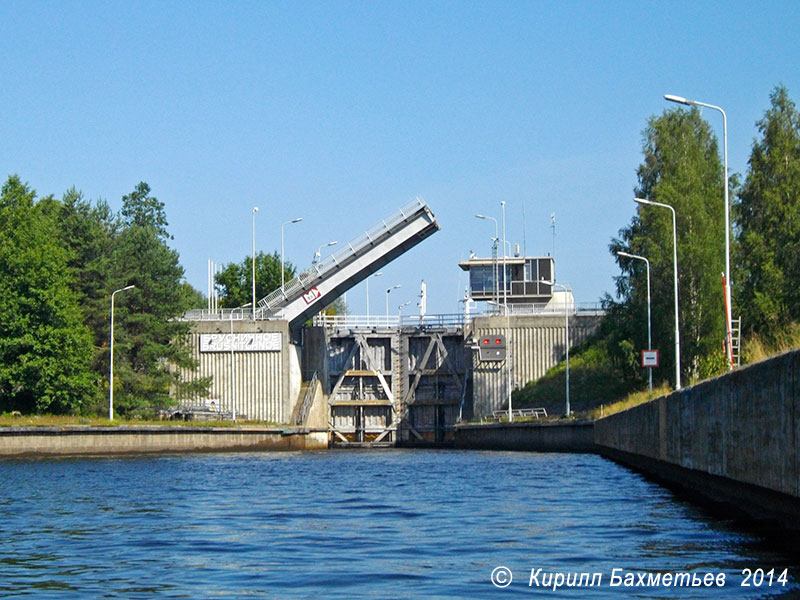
x,y
342,112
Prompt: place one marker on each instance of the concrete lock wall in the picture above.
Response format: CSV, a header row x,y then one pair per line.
x,y
744,427
535,345
19,441
266,382
542,437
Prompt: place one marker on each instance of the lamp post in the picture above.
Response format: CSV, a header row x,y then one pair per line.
x,y
255,210
378,274
111,356
728,334
505,284
297,220
388,290
566,335
318,255
400,313
675,279
649,341
496,239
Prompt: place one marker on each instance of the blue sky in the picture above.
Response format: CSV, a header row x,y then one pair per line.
x,y
341,112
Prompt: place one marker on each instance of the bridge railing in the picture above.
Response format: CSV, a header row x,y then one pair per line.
x,y
395,321
222,314
536,309
387,322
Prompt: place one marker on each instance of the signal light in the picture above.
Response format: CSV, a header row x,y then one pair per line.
x,y
492,352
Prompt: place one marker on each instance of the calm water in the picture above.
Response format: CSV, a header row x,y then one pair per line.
x,y
368,524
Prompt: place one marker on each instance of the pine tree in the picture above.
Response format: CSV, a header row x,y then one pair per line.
x,y
148,337
87,231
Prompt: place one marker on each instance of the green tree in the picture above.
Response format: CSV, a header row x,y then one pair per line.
x,y
681,168
768,223
45,350
235,279
140,209
88,231
149,340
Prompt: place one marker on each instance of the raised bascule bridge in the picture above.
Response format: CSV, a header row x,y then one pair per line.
x,y
383,380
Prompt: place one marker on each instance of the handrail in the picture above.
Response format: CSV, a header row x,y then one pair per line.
x,y
302,414
387,322
544,308
450,320
223,314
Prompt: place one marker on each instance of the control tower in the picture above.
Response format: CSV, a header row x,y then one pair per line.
x,y
512,279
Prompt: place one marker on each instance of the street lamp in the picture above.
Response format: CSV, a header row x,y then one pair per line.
x,y
400,312
378,274
297,220
675,278
318,255
255,210
728,322
387,300
649,341
505,285
566,334
496,239
111,356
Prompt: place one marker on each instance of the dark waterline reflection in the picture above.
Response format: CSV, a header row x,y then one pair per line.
x,y
366,524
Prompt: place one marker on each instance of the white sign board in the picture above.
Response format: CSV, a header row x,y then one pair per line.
x,y
649,359
240,342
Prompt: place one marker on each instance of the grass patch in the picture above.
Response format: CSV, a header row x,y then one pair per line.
x,y
592,381
633,399
757,348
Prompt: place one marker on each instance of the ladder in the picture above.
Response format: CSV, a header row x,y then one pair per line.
x,y
736,341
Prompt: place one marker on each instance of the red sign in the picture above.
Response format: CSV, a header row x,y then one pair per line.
x,y
312,295
649,359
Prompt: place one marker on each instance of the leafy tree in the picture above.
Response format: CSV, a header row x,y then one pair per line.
x,y
681,168
235,279
193,297
768,287
45,350
337,307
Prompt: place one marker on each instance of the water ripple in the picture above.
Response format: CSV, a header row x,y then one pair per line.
x,y
402,524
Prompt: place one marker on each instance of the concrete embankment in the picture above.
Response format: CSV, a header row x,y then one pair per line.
x,y
21,441
544,437
733,439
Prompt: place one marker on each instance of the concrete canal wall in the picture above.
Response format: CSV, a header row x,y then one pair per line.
x,y
735,438
541,437
20,441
